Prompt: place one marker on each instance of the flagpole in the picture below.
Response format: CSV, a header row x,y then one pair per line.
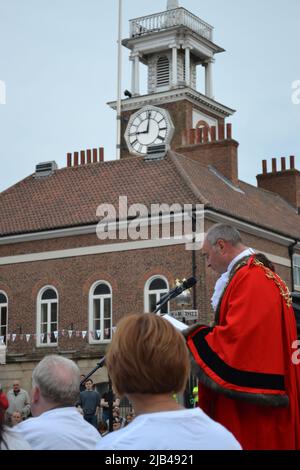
x,y
119,72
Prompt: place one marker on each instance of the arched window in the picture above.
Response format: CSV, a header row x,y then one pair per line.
x,y
155,288
3,318
163,72
100,313
47,317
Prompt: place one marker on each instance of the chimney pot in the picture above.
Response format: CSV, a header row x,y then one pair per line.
x,y
213,133
292,162
221,132
205,134
229,131
283,164
69,160
95,155
76,157
274,165
265,167
82,157
89,156
198,136
101,154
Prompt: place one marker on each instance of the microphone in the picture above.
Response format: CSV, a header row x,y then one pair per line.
x,y
177,291
184,286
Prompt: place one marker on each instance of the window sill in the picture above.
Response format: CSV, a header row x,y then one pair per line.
x,y
105,341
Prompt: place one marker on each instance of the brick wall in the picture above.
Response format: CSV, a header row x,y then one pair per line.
x,y
223,155
127,272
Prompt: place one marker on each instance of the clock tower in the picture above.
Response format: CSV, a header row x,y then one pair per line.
x,y
172,44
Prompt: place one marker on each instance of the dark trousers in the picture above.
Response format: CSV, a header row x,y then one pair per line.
x,y
92,419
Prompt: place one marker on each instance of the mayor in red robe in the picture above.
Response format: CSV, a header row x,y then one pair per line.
x,y
249,378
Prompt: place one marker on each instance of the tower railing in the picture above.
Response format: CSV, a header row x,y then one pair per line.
x,y
170,19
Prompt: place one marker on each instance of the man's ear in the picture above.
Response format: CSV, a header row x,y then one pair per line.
x,y
221,244
35,394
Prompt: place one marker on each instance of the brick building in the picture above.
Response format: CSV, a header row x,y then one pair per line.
x,y
62,289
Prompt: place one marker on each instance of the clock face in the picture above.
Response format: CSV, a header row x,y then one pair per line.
x,y
149,126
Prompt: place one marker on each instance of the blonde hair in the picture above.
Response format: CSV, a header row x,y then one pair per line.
x,y
147,356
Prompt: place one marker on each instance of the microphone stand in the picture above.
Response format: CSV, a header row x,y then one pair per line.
x,y
99,364
163,301
109,393
167,297
175,293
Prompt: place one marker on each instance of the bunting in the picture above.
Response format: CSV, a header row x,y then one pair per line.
x,y
67,334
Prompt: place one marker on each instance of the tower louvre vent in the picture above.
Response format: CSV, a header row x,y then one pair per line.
x,y
45,169
156,152
163,71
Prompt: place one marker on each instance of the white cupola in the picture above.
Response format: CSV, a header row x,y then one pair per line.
x,y
172,44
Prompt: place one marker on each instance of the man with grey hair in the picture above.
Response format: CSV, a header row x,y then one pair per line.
x,y
18,400
248,381
223,248
56,424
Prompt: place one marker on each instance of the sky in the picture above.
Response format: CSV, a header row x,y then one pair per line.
x,y
58,64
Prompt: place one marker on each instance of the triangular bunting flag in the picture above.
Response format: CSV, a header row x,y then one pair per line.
x,y
98,333
70,332
27,338
21,337
1,339
55,334
13,337
8,336
83,333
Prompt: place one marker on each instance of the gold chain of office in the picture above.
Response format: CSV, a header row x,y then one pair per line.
x,y
283,288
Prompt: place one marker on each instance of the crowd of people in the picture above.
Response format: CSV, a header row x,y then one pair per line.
x,y
73,423
248,391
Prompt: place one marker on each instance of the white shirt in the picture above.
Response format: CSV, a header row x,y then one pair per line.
x,y
59,429
224,278
12,440
171,430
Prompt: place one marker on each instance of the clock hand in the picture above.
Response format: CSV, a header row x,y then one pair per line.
x,y
148,125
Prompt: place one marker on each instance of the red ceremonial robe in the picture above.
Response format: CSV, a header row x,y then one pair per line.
x,y
252,386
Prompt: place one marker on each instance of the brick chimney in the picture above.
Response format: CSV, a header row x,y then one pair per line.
x,y
212,146
85,157
283,181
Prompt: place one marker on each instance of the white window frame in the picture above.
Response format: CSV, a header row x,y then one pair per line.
x,y
5,306
92,339
147,292
296,267
39,315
